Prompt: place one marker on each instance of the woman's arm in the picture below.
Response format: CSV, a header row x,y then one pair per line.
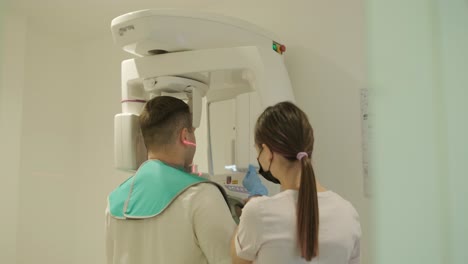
x,y
235,258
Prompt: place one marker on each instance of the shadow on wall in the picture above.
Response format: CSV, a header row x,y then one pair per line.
x,y
331,98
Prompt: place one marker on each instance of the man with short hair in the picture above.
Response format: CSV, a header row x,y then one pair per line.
x,y
163,214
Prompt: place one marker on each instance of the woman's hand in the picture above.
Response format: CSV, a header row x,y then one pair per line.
x,y
253,184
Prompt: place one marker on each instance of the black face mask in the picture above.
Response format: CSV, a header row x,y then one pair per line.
x,y
266,174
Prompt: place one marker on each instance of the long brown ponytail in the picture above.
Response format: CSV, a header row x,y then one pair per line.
x,y
307,212
286,130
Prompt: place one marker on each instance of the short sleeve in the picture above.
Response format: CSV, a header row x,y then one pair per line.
x,y
250,231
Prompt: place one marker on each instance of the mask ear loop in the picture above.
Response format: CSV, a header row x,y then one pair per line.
x,y
271,162
260,153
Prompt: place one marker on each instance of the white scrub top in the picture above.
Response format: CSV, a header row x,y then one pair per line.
x,y
196,228
267,230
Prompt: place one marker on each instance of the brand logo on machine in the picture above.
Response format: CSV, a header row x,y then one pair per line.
x,y
123,30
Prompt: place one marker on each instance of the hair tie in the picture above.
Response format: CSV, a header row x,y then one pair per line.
x,y
301,155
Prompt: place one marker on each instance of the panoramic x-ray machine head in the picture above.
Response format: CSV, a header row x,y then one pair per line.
x,y
191,55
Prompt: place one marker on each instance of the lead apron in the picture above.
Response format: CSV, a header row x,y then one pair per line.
x,y
152,190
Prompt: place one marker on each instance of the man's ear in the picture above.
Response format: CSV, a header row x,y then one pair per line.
x,y
183,134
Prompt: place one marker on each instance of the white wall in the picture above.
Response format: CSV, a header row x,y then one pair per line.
x,y
49,144
12,78
100,95
67,146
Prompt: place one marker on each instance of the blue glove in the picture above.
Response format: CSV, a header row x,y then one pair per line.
x,y
253,184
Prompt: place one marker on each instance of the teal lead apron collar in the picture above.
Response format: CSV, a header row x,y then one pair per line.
x,y
151,190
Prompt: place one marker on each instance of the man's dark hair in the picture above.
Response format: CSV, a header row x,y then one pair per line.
x,y
162,119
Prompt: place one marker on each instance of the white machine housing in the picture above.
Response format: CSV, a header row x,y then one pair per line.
x,y
193,55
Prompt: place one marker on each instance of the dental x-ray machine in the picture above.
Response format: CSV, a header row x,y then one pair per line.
x,y
191,55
